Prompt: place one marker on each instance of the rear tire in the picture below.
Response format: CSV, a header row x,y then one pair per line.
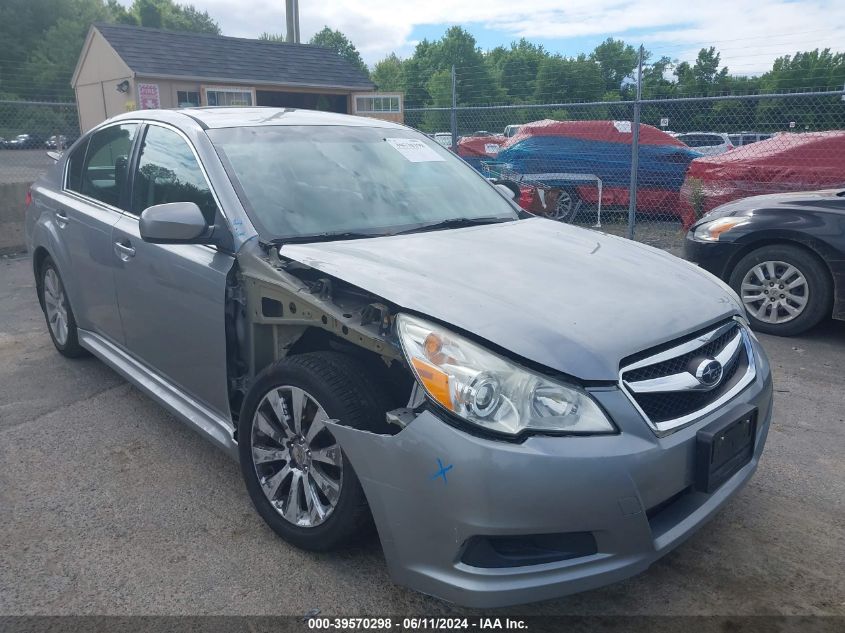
x,y
786,290
342,389
61,323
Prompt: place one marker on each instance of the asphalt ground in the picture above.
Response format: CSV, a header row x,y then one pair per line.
x,y
108,505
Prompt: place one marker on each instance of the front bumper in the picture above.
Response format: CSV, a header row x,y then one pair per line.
x,y
631,491
714,257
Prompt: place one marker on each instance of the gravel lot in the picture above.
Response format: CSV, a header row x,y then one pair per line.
x,y
110,506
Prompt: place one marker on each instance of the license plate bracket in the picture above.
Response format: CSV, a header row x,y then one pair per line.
x,y
722,448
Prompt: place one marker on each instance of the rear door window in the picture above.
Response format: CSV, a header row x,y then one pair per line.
x,y
75,163
103,171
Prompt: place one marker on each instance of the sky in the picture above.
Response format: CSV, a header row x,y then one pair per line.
x,y
750,34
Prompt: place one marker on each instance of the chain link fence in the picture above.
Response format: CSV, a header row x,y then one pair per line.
x,y
28,130
583,162
589,163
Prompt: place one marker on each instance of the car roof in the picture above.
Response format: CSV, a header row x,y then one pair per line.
x,y
225,117
720,134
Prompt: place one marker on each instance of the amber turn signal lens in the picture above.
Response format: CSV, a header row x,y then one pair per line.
x,y
435,382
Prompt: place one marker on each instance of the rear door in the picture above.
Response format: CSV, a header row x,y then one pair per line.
x,y
94,193
172,296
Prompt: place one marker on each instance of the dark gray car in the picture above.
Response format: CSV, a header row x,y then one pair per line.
x,y
524,409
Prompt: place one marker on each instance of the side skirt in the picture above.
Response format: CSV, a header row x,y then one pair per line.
x,y
189,411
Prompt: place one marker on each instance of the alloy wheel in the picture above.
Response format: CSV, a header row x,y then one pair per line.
x,y
775,292
297,460
563,206
55,304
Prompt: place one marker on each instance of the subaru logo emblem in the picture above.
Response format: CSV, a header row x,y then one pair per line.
x,y
709,372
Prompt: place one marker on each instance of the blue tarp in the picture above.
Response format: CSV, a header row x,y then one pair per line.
x,y
660,167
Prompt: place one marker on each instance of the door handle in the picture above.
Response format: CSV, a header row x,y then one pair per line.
x,y
124,250
61,219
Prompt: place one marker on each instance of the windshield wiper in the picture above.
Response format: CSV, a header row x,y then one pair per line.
x,y
455,223
321,237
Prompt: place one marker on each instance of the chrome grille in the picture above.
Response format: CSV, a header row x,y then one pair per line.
x,y
678,385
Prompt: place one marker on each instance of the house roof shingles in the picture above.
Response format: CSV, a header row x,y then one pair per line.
x,y
155,52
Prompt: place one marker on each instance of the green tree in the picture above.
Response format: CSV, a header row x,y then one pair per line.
x,y
818,70
656,85
617,62
164,14
416,71
515,69
338,42
704,77
474,82
23,26
387,74
49,62
273,37
814,70
440,88
561,79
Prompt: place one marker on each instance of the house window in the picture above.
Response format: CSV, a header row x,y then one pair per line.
x,y
377,104
216,96
187,98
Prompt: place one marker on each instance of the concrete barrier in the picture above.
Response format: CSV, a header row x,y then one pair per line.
x,y
12,197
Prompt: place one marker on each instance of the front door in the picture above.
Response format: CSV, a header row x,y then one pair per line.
x,y
172,296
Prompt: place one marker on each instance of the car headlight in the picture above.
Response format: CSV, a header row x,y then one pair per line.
x,y
710,231
490,391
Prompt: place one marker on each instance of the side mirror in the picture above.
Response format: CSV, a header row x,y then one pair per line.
x,y
507,188
174,223
506,191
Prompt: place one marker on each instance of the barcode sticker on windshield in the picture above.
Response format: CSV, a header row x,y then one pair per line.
x,y
414,150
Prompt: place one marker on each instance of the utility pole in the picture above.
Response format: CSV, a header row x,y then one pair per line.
x,y
635,150
454,113
292,21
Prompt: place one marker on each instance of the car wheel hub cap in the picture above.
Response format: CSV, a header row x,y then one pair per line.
x,y
300,455
296,458
563,205
775,292
55,305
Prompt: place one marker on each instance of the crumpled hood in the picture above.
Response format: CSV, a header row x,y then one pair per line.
x,y
574,300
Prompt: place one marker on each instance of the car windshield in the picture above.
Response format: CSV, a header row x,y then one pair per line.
x,y
301,181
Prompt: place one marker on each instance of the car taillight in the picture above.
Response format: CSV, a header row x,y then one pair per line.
x,y
526,197
28,199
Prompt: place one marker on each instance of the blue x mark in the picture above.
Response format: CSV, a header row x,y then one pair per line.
x,y
442,472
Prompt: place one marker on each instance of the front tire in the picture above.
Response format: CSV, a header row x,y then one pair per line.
x,y
785,289
298,478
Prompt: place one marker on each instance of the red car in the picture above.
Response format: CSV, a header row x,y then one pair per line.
x,y
785,162
479,148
